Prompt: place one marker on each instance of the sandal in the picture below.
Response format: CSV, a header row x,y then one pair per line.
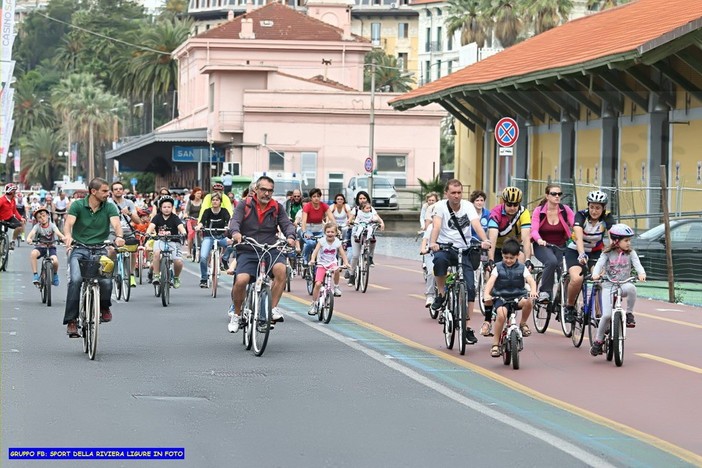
x,y
485,329
524,328
495,351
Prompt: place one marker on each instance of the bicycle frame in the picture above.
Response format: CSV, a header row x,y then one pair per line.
x,y
511,339
616,335
325,302
46,273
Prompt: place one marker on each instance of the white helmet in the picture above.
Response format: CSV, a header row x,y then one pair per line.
x,y
597,196
620,231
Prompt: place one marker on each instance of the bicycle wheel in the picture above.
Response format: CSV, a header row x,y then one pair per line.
x,y
328,307
541,313
479,286
42,283
48,274
514,348
365,271
83,322
618,339
165,283
93,319
288,277
309,278
562,298
4,252
214,270
580,323
505,348
126,278
117,281
449,324
262,321
461,308
247,315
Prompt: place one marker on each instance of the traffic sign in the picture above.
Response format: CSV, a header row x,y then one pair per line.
x,y
134,181
506,131
368,165
506,151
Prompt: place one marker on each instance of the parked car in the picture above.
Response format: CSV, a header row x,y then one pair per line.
x,y
383,196
686,243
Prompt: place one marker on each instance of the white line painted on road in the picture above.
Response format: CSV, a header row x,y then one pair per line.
x,y
552,440
12,333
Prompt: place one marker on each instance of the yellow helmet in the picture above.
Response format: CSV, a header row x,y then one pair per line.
x,y
106,265
512,195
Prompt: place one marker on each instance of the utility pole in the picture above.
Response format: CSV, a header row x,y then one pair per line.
x,y
371,142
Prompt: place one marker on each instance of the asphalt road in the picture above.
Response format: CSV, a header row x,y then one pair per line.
x,y
347,394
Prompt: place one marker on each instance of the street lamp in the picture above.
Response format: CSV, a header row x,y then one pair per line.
x,y
67,155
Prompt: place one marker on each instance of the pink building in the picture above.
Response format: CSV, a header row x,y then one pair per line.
x,y
278,90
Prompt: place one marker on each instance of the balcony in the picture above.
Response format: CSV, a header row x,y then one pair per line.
x,y
231,121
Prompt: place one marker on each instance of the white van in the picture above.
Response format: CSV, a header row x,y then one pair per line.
x,y
384,194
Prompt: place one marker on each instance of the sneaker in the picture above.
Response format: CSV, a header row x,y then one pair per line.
x,y
277,315
347,274
224,265
232,311
12,245
312,310
570,314
429,301
176,282
544,297
337,291
352,280
233,325
132,281
105,315
470,336
370,260
72,329
156,279
35,279
596,348
203,284
630,322
438,302
55,279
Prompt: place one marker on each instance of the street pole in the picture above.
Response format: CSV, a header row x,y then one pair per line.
x,y
371,142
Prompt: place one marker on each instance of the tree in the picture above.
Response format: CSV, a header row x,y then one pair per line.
x,y
505,17
40,159
595,5
467,17
174,9
547,14
389,77
31,108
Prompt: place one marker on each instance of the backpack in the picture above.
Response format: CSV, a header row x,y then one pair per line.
x,y
249,207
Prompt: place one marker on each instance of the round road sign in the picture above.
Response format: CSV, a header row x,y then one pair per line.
x,y
506,132
368,165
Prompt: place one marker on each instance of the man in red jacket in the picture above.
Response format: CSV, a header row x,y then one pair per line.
x,y
9,214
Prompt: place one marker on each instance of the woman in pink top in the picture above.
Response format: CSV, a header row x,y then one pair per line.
x,y
551,223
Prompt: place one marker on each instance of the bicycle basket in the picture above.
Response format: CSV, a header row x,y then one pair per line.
x,y
94,268
474,257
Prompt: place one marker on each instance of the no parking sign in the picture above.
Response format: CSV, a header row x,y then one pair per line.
x,y
506,132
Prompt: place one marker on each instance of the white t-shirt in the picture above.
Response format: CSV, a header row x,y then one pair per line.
x,y
327,253
340,218
449,231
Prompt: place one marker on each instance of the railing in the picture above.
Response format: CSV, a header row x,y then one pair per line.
x,y
231,121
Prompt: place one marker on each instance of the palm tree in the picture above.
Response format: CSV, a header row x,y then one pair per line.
x,y
31,109
174,9
505,16
68,55
63,98
389,77
467,17
595,5
547,14
40,159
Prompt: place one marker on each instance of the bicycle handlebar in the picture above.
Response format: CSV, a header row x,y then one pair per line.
x,y
279,244
631,279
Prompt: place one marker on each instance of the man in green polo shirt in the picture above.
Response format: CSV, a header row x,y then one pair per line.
x,y
88,222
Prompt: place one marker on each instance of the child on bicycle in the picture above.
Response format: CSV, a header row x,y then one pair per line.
x,y
616,263
364,215
325,254
507,282
46,233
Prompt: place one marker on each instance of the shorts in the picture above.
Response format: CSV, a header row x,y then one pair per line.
x,y
321,271
571,257
42,251
501,302
247,262
174,247
12,223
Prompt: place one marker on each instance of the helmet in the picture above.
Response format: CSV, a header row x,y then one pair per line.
x,y
512,195
143,213
36,213
597,196
218,186
10,188
620,231
165,198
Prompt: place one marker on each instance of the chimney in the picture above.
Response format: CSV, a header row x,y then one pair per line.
x,y
249,6
230,15
247,29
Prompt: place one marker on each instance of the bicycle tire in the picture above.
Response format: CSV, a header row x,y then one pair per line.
x,y
541,315
365,272
4,252
48,279
514,348
165,283
42,283
82,315
462,308
562,297
505,349
214,265
140,262
309,279
262,321
248,319
117,286
93,320
610,346
449,324
618,339
288,277
479,287
328,308
578,327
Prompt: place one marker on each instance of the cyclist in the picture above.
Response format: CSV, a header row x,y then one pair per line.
x,y
192,212
508,219
315,215
325,254
294,204
61,206
551,223
214,218
429,200
162,192
586,243
455,220
166,223
49,203
507,281
88,221
616,263
217,187
127,215
427,254
259,216
341,213
46,233
9,213
477,198
362,199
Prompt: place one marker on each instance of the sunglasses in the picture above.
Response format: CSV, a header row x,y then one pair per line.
x,y
556,194
512,204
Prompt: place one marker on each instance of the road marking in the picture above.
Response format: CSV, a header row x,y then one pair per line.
x,y
389,361
670,362
12,333
665,319
417,270
377,286
417,296
649,439
669,310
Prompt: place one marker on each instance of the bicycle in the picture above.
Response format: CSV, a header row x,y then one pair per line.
x,y
141,258
163,288
588,308
308,270
214,262
195,244
325,303
511,341
455,311
91,270
613,343
60,220
4,245
256,316
121,279
559,296
363,265
46,273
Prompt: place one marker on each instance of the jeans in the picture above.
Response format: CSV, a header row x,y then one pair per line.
x,y
443,259
551,258
309,245
207,243
74,284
